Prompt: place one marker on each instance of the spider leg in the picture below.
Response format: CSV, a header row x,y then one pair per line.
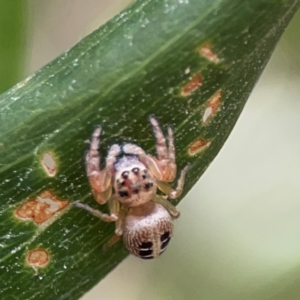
x,y
97,213
113,240
118,230
161,144
168,190
165,160
167,205
171,155
111,158
100,180
92,157
114,210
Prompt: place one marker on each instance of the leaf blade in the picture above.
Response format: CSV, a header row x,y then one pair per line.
x,y
56,109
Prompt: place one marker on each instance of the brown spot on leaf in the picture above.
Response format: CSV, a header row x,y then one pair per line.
x,y
212,106
37,258
206,51
49,164
42,208
198,146
192,85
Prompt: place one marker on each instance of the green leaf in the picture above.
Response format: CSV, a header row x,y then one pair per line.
x,y
192,63
12,28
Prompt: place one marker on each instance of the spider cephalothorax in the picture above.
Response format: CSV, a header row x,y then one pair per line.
x,y
129,184
133,183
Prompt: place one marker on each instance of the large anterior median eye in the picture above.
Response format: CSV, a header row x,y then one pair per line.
x,y
135,170
125,174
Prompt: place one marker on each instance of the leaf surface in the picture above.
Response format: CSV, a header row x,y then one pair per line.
x,y
191,63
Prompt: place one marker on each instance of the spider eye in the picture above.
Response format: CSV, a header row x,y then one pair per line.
x,y
145,175
123,194
135,170
125,174
148,185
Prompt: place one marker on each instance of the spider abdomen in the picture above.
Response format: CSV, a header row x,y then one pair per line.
x,y
147,230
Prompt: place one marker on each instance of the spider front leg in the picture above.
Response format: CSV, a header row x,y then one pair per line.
x,y
165,160
100,180
169,191
164,166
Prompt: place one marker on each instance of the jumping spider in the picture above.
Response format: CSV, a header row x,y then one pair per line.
x,y
129,184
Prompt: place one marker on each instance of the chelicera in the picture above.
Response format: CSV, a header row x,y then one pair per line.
x,y
129,184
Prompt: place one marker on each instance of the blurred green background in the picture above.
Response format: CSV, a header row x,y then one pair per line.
x,y
238,237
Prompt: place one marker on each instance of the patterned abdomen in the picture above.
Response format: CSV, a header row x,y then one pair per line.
x,y
147,230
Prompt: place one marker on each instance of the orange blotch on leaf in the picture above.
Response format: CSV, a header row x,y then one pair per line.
x,y
49,164
37,258
192,85
42,208
206,51
198,146
212,106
